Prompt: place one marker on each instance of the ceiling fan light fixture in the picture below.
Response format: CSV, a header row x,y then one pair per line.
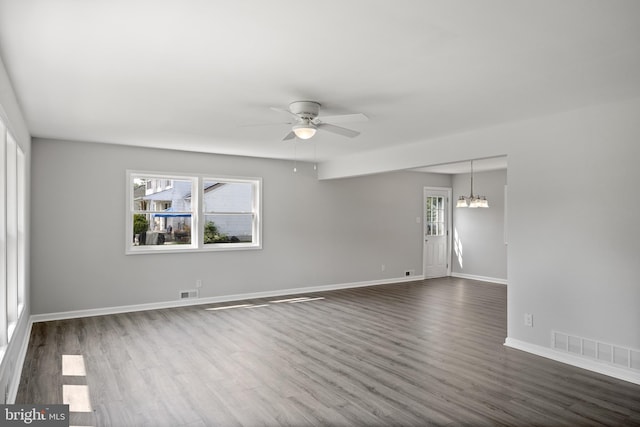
x,y
305,130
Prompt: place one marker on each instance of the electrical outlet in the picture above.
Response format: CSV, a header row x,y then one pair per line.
x,y
409,273
198,283
528,320
383,268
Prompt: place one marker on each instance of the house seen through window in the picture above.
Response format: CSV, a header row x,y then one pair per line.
x,y
192,213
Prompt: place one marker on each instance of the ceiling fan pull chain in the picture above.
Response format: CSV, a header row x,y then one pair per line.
x,y
295,158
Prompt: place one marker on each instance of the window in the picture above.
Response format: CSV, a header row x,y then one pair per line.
x,y
12,234
155,221
3,239
21,244
228,212
435,216
13,251
175,213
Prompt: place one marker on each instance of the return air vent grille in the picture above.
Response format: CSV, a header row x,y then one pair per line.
x,y
612,354
188,294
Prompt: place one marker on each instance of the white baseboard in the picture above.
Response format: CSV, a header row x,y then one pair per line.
x,y
570,359
480,278
212,300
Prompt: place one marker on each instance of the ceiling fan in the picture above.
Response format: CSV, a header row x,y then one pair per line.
x,y
307,120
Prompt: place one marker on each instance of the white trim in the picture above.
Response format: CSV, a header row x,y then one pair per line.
x,y
569,359
14,383
4,321
506,217
479,278
211,300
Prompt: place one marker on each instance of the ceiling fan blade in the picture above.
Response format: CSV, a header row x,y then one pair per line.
x,y
283,110
337,129
289,136
344,118
249,125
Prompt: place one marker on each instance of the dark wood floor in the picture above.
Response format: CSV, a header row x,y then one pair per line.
x,y
421,353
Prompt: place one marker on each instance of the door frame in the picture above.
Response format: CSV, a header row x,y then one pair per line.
x,y
448,204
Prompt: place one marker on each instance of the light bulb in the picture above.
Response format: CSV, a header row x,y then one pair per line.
x,y
305,130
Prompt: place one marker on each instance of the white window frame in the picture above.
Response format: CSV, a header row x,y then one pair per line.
x,y
22,225
4,324
197,214
13,252
11,234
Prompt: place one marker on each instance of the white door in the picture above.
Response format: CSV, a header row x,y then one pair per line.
x,y
436,232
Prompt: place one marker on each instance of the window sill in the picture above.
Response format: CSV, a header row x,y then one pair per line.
x,y
224,247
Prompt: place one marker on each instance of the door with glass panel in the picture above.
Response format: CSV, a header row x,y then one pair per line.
x,y
436,232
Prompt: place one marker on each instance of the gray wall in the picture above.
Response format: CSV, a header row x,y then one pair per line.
x,y
574,234
12,117
315,232
480,232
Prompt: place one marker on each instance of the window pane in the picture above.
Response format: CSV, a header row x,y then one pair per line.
x,y
22,254
435,216
229,228
159,194
161,229
228,196
3,241
12,232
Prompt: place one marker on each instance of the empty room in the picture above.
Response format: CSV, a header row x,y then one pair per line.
x,y
356,213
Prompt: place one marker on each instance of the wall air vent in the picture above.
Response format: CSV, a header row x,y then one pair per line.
x,y
189,294
612,354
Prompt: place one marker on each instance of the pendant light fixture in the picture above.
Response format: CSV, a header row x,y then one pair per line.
x,y
473,201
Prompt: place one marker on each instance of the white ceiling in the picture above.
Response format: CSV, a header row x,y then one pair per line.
x,y
191,74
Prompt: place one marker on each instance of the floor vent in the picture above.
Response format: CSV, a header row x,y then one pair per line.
x,y
192,293
615,355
